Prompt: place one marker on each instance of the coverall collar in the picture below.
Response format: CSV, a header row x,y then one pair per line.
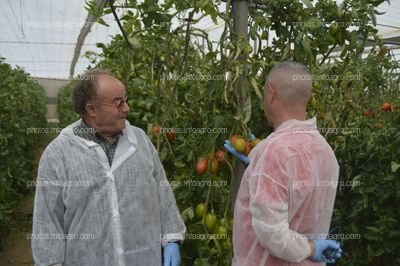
x,y
294,123
127,145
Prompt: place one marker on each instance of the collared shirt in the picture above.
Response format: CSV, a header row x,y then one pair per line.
x,y
86,132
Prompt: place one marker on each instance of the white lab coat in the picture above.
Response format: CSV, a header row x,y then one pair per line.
x,y
103,215
285,198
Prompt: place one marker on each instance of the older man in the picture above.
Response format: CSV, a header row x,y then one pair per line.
x,y
102,196
285,201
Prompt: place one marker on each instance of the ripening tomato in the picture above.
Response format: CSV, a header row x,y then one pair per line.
x,y
386,107
202,166
213,166
238,143
379,125
368,114
221,156
255,142
156,130
247,148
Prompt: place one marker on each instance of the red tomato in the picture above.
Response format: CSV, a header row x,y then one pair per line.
x,y
202,166
368,114
247,148
170,136
221,156
386,107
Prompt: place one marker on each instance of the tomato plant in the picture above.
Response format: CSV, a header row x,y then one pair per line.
x,y
22,121
64,106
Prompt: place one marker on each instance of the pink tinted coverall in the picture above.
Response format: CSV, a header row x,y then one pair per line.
x,y
285,198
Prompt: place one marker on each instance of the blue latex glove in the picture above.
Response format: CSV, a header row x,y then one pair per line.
x,y
333,253
238,155
172,255
326,251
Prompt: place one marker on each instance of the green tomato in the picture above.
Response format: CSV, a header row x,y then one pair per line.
x,y
200,209
210,220
227,244
223,222
222,230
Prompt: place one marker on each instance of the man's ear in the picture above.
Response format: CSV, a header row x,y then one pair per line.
x,y
90,109
271,93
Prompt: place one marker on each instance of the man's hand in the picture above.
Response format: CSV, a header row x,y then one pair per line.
x,y
323,250
172,256
238,155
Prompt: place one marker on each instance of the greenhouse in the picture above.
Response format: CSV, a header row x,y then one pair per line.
x,y
233,132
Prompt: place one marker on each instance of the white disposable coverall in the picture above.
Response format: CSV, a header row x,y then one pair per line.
x,y
286,196
126,208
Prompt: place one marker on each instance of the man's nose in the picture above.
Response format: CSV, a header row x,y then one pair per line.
x,y
125,108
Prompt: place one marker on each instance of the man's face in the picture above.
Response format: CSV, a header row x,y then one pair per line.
x,y
109,118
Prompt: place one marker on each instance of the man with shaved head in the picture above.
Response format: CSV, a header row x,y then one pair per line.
x,y
286,93
285,201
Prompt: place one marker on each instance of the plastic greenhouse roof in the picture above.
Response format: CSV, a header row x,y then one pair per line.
x,y
41,35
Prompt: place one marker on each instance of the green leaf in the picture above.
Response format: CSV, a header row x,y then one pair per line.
x,y
307,3
306,45
179,164
286,52
187,214
247,109
395,166
102,22
256,89
201,262
190,156
134,42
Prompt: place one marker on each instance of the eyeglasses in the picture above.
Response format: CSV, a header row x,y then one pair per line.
x,y
119,103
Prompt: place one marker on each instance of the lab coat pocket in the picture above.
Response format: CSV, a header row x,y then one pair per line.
x,y
150,255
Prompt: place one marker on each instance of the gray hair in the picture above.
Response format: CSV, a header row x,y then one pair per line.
x,y
86,89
